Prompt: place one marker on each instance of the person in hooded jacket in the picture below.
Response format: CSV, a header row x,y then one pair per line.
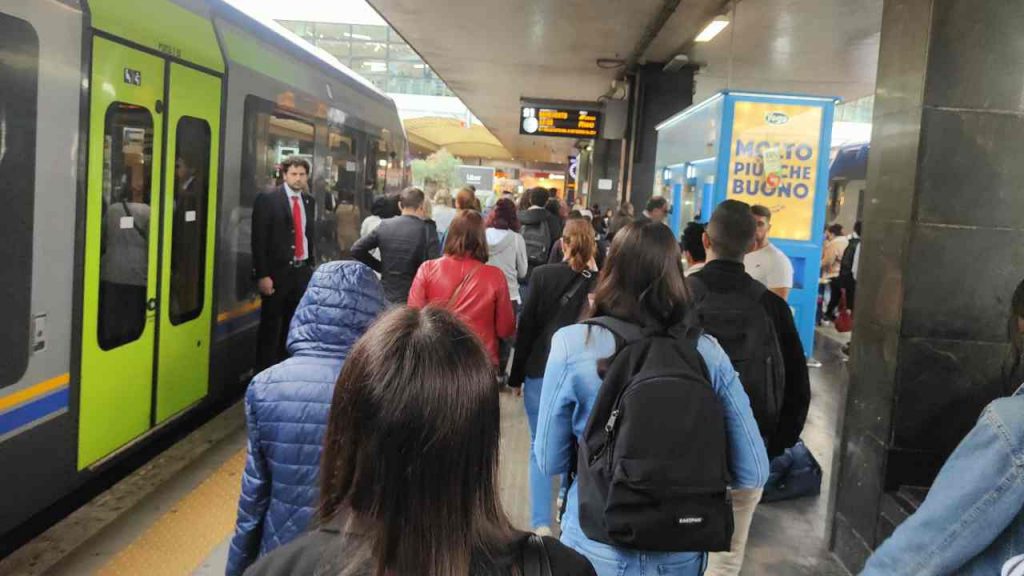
x,y
287,406
506,246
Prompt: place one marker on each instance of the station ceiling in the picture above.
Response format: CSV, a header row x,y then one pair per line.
x,y
493,52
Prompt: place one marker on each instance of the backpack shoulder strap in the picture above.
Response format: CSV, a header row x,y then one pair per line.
x,y
535,557
625,332
698,289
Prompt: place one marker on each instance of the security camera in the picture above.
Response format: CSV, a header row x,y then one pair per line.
x,y
677,62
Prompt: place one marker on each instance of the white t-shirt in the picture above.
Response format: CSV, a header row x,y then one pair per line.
x,y
770,267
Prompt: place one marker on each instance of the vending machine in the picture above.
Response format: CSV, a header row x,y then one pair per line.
x,y
767,149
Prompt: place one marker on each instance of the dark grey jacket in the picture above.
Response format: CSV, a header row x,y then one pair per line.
x,y
405,242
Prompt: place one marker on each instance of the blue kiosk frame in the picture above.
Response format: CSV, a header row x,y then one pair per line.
x,y
695,160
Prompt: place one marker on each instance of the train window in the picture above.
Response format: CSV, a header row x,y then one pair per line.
x,y
350,199
376,166
125,228
188,228
268,137
19,70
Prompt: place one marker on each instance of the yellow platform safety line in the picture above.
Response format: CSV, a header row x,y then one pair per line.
x,y
239,311
178,542
34,391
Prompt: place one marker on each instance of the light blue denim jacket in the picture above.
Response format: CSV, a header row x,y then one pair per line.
x,y
570,388
971,521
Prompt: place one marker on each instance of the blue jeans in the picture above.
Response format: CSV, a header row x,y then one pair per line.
x,y
972,520
610,561
540,485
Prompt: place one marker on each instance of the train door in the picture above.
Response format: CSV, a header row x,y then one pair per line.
x,y
121,248
149,248
189,211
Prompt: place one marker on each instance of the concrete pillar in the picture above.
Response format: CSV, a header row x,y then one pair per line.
x,y
655,96
943,250
605,166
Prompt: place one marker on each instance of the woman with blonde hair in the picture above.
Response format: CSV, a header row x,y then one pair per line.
x,y
557,298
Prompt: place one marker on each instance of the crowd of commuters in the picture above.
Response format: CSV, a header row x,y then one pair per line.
x,y
373,440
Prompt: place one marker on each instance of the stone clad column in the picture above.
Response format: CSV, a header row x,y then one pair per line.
x,y
943,251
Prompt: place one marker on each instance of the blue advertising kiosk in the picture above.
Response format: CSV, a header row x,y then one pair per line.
x,y
768,149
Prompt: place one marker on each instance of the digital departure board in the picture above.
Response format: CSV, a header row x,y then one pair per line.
x,y
558,121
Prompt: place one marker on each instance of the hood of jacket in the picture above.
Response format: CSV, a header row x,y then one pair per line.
x,y
499,241
342,300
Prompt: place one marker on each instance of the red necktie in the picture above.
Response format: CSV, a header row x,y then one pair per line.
x,y
300,254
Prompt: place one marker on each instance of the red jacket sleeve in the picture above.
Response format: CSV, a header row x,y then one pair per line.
x,y
505,315
418,290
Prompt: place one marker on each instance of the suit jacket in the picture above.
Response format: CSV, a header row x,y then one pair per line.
x,y
405,242
273,232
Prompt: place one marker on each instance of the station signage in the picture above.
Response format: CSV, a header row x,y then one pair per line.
x,y
560,121
480,177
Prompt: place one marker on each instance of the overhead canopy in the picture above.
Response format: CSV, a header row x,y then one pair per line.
x,y
493,52
460,139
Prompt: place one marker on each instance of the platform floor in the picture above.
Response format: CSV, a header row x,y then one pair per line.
x,y
175,515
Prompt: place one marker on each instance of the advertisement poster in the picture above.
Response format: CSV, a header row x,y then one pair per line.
x,y
773,161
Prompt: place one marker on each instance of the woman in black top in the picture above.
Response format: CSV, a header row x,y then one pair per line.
x,y
408,479
557,298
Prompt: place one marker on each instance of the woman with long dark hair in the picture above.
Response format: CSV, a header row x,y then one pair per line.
x,y
641,283
557,298
464,283
506,247
410,465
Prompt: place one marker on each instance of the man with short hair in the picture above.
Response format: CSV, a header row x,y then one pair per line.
x,y
657,210
540,229
756,329
283,255
692,245
405,242
766,263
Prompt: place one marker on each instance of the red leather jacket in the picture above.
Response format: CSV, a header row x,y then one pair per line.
x,y
483,302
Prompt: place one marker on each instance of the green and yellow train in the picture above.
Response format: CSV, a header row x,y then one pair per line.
x,y
134,137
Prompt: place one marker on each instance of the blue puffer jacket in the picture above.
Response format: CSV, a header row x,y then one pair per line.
x,y
287,406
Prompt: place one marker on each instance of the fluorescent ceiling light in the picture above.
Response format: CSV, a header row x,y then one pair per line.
x,y
711,30
357,36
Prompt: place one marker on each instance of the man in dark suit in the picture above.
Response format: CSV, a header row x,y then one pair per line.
x,y
283,255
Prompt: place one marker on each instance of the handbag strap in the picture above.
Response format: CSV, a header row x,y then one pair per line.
x,y
535,557
581,279
458,289
128,213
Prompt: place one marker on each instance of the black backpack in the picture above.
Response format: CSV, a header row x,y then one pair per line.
x,y
742,327
652,466
846,263
538,242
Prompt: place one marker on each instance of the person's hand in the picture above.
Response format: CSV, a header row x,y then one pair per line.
x,y
518,392
265,285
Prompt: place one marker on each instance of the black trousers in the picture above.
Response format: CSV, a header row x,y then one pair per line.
x,y
276,314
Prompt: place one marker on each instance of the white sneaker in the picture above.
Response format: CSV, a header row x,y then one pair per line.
x,y
542,531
